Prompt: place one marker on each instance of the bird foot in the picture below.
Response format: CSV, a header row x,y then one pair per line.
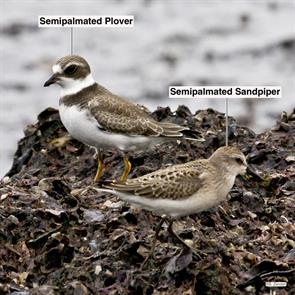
x,y
194,251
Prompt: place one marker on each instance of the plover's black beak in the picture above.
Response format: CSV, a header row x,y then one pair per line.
x,y
51,80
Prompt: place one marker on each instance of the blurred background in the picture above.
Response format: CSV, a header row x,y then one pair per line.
x,y
173,43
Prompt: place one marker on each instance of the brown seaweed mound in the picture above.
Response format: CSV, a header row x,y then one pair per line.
x,y
59,235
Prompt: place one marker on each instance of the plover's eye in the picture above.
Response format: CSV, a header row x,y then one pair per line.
x,y
239,160
71,69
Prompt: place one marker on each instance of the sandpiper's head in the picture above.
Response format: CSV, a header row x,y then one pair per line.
x,y
230,159
72,73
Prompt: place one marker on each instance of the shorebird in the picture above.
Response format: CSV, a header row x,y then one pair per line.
x,y
97,117
183,189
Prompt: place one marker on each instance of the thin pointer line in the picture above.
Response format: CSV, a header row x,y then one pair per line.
x,y
72,35
226,121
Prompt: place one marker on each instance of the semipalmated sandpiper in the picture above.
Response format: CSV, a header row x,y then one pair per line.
x,y
183,189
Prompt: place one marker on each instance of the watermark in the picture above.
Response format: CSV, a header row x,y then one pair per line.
x,y
275,284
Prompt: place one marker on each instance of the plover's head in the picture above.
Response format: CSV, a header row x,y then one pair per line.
x,y
72,73
230,159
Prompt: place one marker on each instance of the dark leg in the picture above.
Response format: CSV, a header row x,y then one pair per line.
x,y
100,166
174,234
151,254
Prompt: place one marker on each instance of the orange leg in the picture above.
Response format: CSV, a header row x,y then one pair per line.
x,y
127,169
100,166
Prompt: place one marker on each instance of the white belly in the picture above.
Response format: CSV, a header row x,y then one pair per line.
x,y
79,124
205,198
86,129
174,208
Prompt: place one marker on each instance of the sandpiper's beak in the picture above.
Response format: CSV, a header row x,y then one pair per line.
x,y
251,173
53,79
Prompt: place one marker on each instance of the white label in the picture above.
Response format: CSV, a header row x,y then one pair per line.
x,y
225,92
104,21
275,284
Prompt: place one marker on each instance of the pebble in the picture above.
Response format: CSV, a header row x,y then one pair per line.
x,y
3,197
98,269
93,216
6,180
13,219
252,215
112,205
248,194
116,205
93,245
290,159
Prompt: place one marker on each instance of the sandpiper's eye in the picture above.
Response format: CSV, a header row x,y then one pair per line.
x,y
71,69
239,160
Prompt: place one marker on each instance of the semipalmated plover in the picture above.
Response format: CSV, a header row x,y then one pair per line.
x,y
184,189
99,118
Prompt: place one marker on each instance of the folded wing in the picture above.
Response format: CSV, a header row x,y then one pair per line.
x,y
177,182
114,114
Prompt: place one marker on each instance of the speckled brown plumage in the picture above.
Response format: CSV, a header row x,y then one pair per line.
x,y
175,182
116,114
182,181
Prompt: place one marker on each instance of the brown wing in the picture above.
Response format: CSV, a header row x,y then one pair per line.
x,y
176,182
118,115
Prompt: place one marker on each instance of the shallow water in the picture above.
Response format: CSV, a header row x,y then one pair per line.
x,y
199,43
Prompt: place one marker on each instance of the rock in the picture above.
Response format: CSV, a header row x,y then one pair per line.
x,y
66,237
93,216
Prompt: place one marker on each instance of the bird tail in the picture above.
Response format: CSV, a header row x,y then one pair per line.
x,y
112,187
171,129
194,139
106,185
174,130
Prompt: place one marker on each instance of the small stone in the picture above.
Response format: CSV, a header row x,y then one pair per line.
x,y
108,273
44,151
77,192
35,285
116,205
107,204
251,257
91,216
289,244
188,292
22,277
13,219
248,194
93,245
265,228
142,251
3,197
190,243
290,257
98,269
251,214
57,236
55,212
290,159
6,180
